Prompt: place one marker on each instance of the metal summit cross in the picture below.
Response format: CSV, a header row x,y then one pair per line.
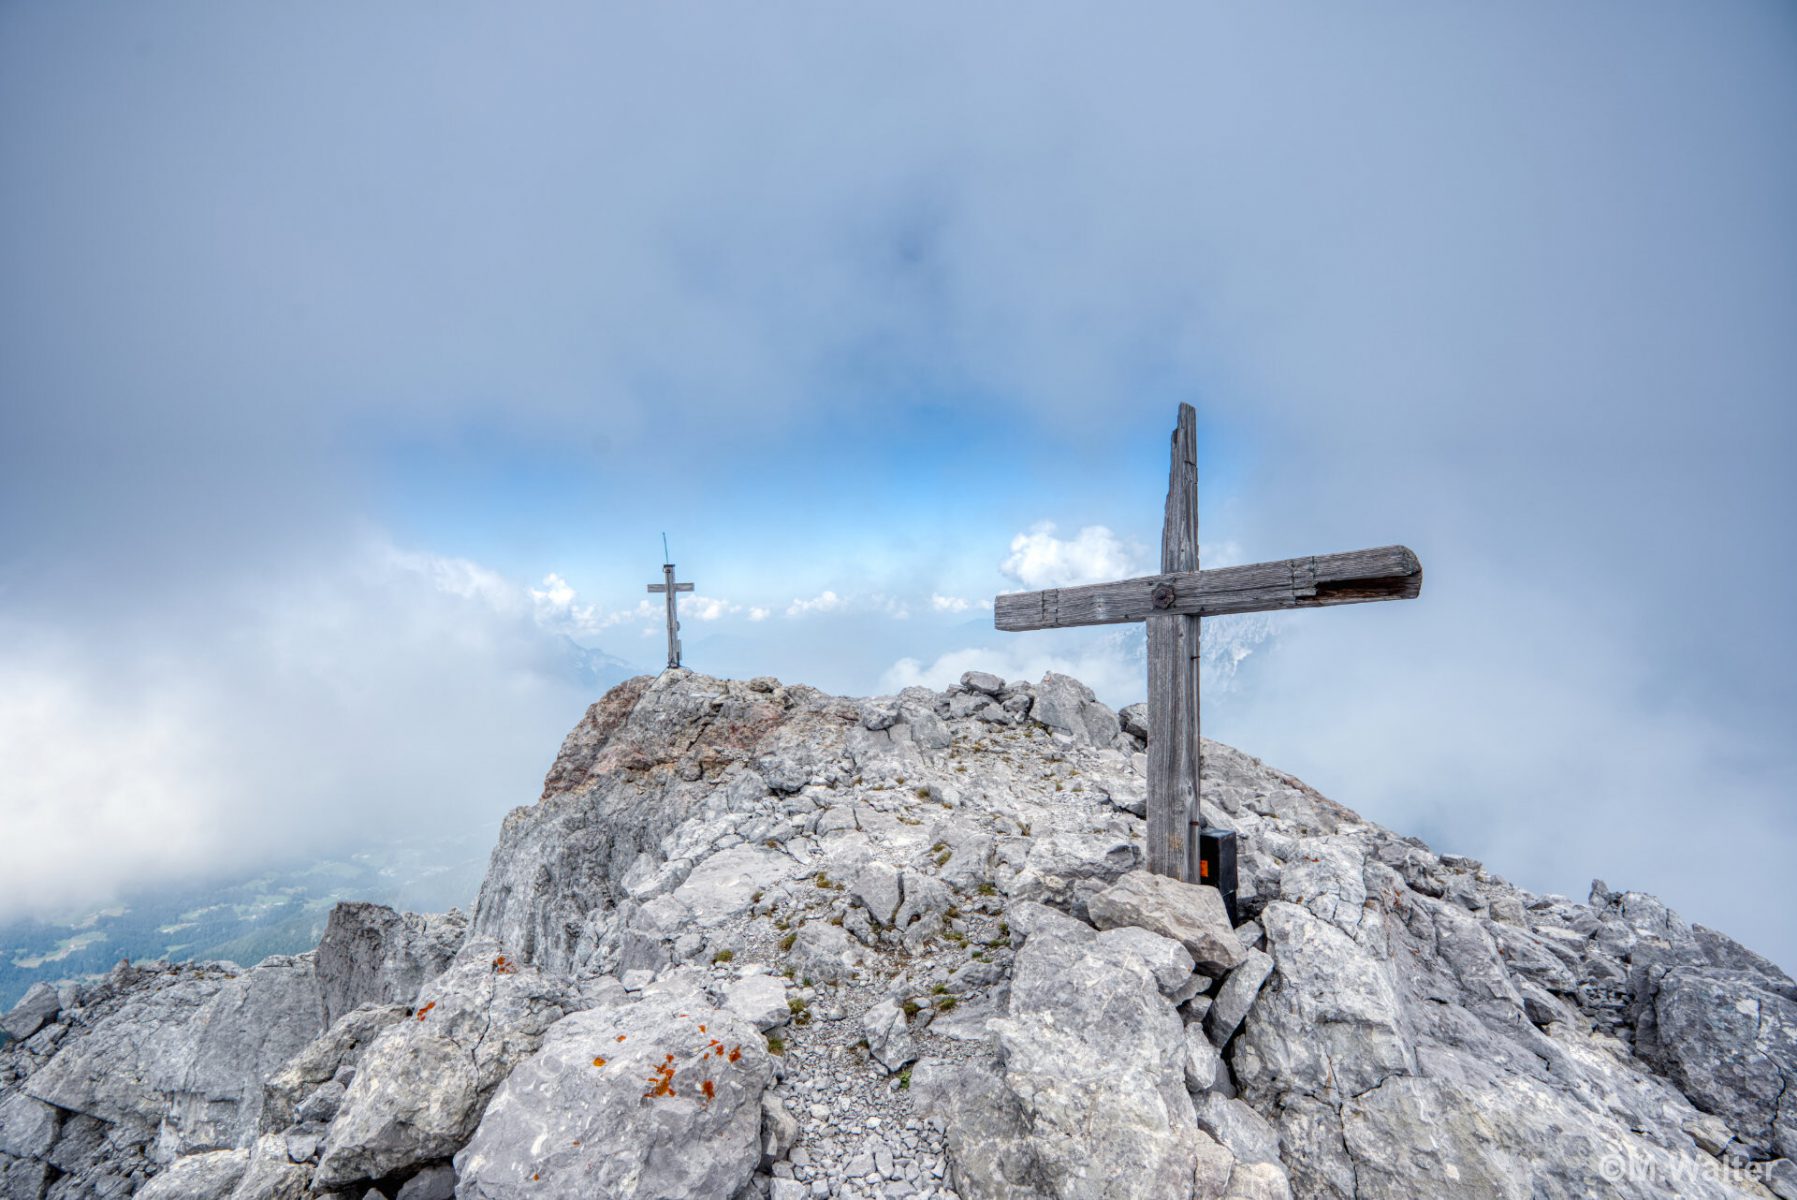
x,y
668,585
1172,603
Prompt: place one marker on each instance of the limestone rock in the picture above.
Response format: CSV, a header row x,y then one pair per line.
x,y
1203,1065
433,1183
1393,1022
1069,706
983,681
824,953
1236,996
1059,863
34,1010
1168,961
212,1175
28,1126
1331,1023
725,884
1027,917
317,1064
778,1129
1191,914
1731,1046
190,1057
888,1035
876,886
371,954
420,1089
991,1155
1095,1058
758,999
573,1119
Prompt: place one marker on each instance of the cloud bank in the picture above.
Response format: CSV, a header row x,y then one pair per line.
x,y
853,299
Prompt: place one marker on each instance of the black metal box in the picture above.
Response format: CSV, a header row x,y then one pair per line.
x,y
1216,866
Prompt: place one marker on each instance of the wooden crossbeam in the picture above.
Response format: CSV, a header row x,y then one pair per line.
x,y
1356,577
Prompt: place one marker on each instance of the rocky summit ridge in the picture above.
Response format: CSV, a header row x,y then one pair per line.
x,y
758,941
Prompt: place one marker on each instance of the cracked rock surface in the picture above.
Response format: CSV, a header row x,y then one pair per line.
x,y
754,941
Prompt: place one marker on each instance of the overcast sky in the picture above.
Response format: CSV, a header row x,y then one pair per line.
x,y
353,358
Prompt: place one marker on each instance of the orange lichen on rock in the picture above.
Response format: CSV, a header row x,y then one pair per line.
x,y
662,1080
597,1062
711,1092
621,1037
426,1009
736,1052
504,966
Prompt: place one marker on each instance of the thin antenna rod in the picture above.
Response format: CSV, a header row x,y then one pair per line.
x,y
665,556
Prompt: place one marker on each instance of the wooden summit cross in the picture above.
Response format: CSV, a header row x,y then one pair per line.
x,y
1172,603
672,589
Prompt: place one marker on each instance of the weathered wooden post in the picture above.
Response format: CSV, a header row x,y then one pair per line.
x,y
1173,653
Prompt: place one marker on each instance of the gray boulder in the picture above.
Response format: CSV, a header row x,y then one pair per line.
x,y
271,1175
188,1058
213,1175
371,954
433,1183
724,885
1065,704
758,999
991,1155
1331,1023
1028,917
1730,1044
1058,866
1169,962
824,953
28,1126
655,1099
1203,1065
1237,996
876,886
35,1009
1191,914
318,1064
1095,1058
888,1035
983,681
420,1089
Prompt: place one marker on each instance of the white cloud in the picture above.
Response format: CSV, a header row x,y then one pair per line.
x,y
1039,559
949,604
758,614
397,689
707,608
823,602
555,608
465,579
831,602
555,593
